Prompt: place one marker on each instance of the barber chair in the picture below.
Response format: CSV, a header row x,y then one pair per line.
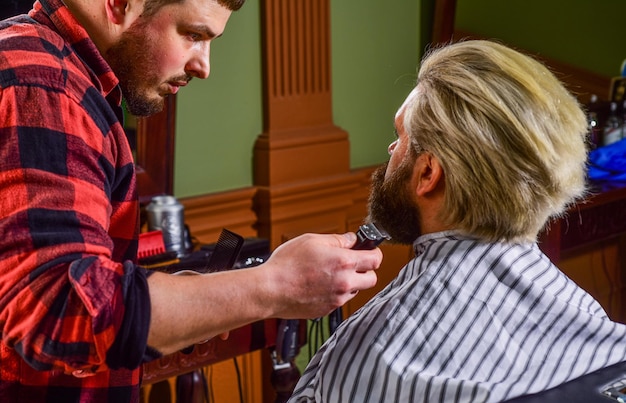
x,y
602,386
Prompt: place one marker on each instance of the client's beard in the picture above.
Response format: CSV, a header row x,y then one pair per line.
x,y
391,204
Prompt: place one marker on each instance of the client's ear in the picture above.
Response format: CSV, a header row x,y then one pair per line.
x,y
427,174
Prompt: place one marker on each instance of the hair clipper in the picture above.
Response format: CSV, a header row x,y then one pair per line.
x,y
370,236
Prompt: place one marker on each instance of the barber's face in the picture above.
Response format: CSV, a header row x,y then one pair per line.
x,y
392,200
158,55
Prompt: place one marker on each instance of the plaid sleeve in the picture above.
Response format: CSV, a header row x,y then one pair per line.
x,y
66,175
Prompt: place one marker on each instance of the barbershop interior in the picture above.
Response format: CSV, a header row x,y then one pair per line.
x,y
304,113
284,137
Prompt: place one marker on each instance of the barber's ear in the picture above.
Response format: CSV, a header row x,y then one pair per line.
x,y
116,10
427,174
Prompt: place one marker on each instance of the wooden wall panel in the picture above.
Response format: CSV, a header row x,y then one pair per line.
x,y
600,270
306,207
207,215
295,155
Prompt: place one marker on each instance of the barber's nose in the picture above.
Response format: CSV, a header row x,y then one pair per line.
x,y
199,65
392,147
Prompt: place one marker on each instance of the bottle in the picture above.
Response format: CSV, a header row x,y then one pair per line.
x,y
612,127
623,122
593,124
593,127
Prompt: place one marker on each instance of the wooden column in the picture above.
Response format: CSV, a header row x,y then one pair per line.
x,y
301,160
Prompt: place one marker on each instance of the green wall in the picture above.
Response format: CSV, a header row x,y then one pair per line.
x,y
218,119
375,52
584,33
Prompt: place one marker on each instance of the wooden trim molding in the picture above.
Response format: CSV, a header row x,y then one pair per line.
x,y
207,215
289,211
300,154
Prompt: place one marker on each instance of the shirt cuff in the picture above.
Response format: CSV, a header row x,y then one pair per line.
x,y
130,348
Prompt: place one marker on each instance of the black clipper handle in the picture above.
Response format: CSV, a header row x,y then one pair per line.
x,y
370,236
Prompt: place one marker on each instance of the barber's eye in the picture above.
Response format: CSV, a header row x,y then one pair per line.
x,y
192,35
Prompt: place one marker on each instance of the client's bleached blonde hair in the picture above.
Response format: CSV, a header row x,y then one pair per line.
x,y
511,139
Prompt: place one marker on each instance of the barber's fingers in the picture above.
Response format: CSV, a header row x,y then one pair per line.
x,y
350,282
362,260
363,280
368,260
347,240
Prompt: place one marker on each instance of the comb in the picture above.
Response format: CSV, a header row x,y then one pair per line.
x,y
150,244
225,253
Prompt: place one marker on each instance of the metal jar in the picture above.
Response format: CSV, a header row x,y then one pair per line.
x,y
165,213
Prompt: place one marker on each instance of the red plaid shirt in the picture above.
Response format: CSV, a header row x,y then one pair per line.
x,y
71,297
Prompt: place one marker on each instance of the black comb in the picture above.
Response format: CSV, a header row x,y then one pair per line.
x,y
226,252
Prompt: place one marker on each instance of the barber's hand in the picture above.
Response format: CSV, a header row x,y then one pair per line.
x,y
314,274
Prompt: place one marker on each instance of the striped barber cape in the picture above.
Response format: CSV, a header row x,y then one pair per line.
x,y
465,321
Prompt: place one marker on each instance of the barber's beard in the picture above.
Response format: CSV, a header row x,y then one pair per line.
x,y
391,204
131,60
